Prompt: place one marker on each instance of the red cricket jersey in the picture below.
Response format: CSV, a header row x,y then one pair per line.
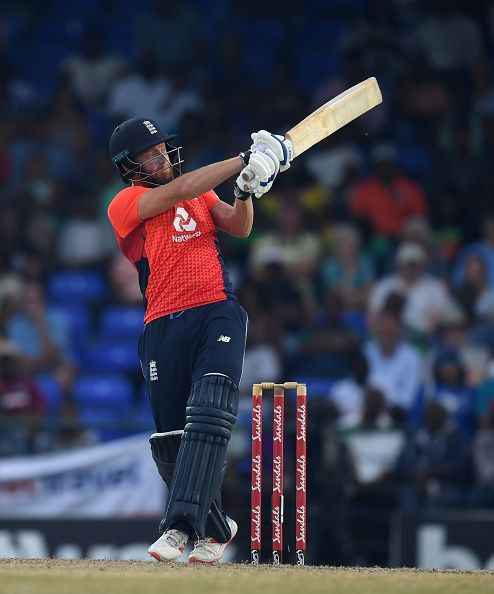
x,y
176,252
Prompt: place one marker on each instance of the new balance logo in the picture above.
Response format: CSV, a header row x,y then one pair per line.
x,y
223,338
150,127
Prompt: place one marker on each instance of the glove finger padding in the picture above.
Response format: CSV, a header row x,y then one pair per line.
x,y
280,146
264,166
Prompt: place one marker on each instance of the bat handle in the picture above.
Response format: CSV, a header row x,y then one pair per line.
x,y
248,175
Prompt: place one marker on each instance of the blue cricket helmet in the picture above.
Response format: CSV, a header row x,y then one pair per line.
x,y
132,137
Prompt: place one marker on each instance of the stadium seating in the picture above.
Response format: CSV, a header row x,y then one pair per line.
x,y
122,322
52,395
112,355
76,287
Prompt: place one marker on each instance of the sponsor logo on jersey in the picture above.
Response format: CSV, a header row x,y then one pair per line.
x,y
184,222
223,338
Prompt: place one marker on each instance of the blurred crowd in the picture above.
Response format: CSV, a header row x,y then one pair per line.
x,y
370,270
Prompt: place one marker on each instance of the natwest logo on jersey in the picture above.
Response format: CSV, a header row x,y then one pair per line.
x,y
184,222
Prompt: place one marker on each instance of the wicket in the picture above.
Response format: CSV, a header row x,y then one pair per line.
x,y
277,499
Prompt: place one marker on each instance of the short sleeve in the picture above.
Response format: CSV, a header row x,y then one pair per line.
x,y
211,198
122,211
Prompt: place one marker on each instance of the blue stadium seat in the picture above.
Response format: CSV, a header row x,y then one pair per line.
x,y
142,417
52,394
415,159
75,8
105,404
106,423
109,392
317,386
313,66
78,319
357,320
76,286
110,355
120,321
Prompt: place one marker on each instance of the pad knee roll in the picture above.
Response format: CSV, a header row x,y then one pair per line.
x,y
212,406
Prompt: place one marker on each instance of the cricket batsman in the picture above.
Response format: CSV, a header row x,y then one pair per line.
x,y
192,346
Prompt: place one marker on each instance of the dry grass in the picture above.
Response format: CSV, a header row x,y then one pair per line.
x,y
49,576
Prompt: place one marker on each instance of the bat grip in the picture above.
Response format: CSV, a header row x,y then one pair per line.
x,y
248,175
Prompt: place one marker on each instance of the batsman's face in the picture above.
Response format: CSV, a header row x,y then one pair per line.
x,y
156,162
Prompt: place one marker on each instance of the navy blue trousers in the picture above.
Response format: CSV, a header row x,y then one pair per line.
x,y
178,349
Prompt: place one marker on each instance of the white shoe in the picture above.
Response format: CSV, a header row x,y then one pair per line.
x,y
208,550
169,546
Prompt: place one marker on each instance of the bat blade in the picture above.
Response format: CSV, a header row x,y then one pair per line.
x,y
330,117
333,115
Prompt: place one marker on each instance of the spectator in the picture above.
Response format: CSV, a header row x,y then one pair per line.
x,y
67,134
347,394
474,294
450,389
393,362
10,294
299,249
455,334
440,249
331,479
69,434
433,465
84,239
143,89
485,396
329,343
91,72
425,98
38,186
347,269
386,199
459,167
426,298
273,290
483,248
42,336
449,39
262,359
179,24
124,281
375,445
481,493
19,397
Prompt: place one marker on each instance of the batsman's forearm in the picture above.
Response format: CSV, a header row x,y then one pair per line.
x,y
242,218
187,186
208,177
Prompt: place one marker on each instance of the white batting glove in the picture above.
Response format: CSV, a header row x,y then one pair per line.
x,y
258,176
264,141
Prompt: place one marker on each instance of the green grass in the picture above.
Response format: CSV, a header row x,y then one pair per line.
x,y
26,576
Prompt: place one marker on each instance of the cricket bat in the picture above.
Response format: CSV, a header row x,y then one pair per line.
x,y
330,117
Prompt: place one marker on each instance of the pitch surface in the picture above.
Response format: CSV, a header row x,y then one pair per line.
x,y
41,576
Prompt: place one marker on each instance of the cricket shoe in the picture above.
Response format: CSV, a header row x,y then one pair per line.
x,y
169,546
208,550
